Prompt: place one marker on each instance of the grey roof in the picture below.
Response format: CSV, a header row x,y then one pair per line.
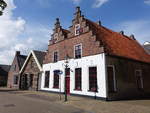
x,y
21,59
40,56
4,69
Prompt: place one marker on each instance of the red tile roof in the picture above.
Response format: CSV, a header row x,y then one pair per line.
x,y
118,44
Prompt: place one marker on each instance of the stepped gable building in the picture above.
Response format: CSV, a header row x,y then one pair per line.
x,y
4,69
31,70
102,63
13,75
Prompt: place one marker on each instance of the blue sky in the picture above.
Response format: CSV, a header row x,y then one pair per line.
x,y
27,24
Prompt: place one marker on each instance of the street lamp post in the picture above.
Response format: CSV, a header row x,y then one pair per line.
x,y
3,5
66,67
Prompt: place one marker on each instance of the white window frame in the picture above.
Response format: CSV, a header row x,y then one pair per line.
x,y
75,49
76,34
142,86
114,76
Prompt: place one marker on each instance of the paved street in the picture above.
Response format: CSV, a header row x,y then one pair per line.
x,y
40,102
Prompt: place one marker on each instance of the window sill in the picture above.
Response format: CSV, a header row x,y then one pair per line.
x,y
56,87
92,91
77,89
78,58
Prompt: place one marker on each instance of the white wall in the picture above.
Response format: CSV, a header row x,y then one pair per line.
x,y
84,63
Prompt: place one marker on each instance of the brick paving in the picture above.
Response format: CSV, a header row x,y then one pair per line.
x,y
42,102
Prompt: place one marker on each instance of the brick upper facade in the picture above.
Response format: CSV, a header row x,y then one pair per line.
x,y
95,39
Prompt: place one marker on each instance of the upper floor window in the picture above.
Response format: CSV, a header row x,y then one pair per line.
x,y
139,79
55,56
32,64
77,29
78,51
13,68
15,79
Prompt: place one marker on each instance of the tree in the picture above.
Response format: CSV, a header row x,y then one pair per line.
x,y
3,5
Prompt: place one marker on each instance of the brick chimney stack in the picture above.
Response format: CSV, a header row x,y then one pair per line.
x,y
17,53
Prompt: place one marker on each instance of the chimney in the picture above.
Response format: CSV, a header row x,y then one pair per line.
x,y
78,12
17,53
132,37
99,23
57,24
121,32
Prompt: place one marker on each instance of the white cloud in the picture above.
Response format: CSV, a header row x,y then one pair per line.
x,y
140,28
99,3
147,2
16,34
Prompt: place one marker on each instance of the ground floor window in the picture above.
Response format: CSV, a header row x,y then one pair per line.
x,y
93,79
78,78
111,78
139,79
56,80
15,79
47,74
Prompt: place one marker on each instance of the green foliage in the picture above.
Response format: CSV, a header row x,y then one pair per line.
x,y
3,5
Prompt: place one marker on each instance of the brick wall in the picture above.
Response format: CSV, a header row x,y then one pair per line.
x,y
12,72
64,46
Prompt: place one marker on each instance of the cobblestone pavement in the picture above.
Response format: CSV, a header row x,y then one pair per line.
x,y
40,102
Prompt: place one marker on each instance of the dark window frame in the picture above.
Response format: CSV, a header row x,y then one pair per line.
x,y
78,51
47,79
56,81
78,78
112,88
55,56
93,86
16,78
139,79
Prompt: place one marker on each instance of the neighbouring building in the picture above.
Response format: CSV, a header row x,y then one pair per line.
x,y
31,70
13,75
147,47
102,63
4,69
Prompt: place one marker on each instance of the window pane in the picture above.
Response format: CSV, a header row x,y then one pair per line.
x,y
56,80
78,78
111,80
47,73
78,51
93,79
55,56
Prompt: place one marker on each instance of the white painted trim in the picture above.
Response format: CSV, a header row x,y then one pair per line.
x,y
36,60
76,29
74,50
114,76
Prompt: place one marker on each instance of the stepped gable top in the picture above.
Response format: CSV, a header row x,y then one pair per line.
x,y
119,44
59,33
